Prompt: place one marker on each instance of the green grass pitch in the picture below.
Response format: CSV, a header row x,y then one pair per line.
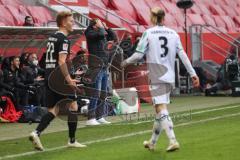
x,y
208,134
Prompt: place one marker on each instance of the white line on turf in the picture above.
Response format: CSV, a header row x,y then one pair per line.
x,y
193,113
117,137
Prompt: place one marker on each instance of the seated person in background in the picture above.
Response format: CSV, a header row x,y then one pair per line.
x,y
224,76
13,80
233,49
23,59
28,21
4,90
33,75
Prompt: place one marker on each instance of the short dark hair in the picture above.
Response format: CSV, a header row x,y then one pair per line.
x,y
27,17
12,58
93,22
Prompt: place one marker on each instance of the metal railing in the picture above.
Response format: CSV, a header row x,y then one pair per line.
x,y
115,15
198,29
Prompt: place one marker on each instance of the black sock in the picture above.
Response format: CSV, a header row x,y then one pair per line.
x,y
72,125
45,121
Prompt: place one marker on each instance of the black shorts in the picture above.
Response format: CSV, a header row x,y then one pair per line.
x,y
53,99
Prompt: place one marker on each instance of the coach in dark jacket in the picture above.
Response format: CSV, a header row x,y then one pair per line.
x,y
97,35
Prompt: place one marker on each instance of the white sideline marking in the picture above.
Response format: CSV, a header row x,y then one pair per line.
x,y
215,109
117,137
193,113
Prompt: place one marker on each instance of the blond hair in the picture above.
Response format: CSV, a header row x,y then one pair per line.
x,y
62,16
157,15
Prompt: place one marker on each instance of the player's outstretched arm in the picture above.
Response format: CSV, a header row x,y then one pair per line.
x,y
184,58
134,58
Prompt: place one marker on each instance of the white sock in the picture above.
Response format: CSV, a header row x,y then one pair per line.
x,y
167,125
156,131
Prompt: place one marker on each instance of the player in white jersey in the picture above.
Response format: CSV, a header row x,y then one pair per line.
x,y
160,45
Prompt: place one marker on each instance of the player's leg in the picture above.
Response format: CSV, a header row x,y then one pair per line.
x,y
162,122
156,131
161,97
52,102
167,125
72,124
44,123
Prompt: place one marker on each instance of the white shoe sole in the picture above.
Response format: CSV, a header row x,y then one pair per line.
x,y
148,146
173,147
93,124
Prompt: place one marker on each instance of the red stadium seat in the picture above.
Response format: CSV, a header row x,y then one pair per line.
x,y
108,4
113,19
204,9
98,3
23,10
170,20
143,11
237,10
230,3
180,19
195,9
177,29
128,26
220,22
125,6
201,2
209,20
141,28
236,19
106,16
216,10
196,19
126,16
17,15
220,3
171,8
2,24
154,3
97,12
230,12
6,17
40,14
11,2
238,3
229,23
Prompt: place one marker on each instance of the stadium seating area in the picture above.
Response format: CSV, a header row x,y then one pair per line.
x,y
223,14
134,16
13,13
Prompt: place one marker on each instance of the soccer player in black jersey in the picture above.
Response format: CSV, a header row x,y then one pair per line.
x,y
58,47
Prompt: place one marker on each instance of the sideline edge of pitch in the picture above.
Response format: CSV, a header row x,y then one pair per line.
x,y
193,113
117,137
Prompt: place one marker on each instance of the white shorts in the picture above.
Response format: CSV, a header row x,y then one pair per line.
x,y
161,93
